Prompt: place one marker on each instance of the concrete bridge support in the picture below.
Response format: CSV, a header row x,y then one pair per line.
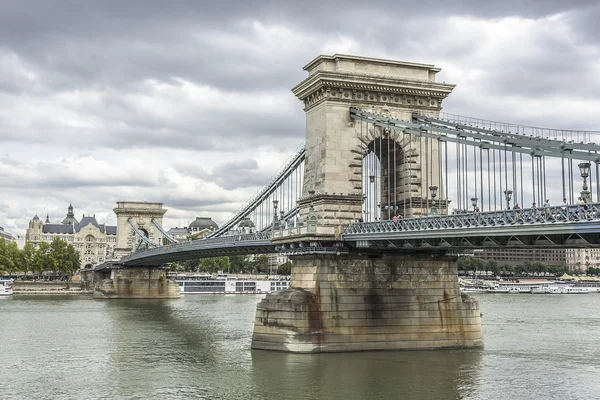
x,y
359,303
135,283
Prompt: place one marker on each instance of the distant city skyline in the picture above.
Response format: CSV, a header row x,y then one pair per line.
x,y
191,105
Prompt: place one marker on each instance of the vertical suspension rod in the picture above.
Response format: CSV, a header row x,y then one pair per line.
x,y
458,177
562,164
446,188
521,174
481,177
533,177
427,194
494,166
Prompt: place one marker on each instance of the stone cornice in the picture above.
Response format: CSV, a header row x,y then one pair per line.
x,y
364,88
318,198
375,83
317,60
139,212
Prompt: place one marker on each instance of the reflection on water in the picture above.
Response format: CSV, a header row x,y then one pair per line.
x,y
379,375
198,347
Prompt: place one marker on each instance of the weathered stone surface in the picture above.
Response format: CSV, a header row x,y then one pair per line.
x,y
356,303
137,283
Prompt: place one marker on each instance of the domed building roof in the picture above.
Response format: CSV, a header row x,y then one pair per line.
x,y
203,223
35,218
246,223
70,218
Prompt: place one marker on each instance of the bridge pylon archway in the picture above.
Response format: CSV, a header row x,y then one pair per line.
x,y
334,180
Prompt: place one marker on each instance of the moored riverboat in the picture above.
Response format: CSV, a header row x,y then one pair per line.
x,y
222,284
559,289
6,287
499,287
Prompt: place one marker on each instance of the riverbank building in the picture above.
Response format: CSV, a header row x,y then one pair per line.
x,y
95,242
6,236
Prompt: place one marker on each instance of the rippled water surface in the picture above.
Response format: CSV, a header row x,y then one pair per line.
x,y
198,347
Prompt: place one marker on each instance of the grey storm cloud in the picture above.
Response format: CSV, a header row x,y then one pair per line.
x,y
102,100
228,175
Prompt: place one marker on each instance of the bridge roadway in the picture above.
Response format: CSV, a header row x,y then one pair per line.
x,y
566,226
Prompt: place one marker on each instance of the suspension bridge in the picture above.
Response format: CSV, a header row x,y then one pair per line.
x,y
487,167
375,204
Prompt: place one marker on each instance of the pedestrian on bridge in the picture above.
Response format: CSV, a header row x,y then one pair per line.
x,y
547,203
563,207
548,210
581,207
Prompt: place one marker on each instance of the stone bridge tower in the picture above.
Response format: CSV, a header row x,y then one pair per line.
x,y
344,299
336,144
141,215
137,282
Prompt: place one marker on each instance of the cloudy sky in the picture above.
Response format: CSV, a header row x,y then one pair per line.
x,y
189,103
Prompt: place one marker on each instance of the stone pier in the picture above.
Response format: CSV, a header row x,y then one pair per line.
x,y
135,283
358,303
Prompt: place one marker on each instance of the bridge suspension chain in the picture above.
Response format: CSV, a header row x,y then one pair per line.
x,y
142,236
170,238
274,204
425,170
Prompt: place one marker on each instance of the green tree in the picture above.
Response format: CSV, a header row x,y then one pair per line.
x,y
6,262
492,265
14,256
41,259
63,258
593,271
27,258
214,264
285,268
72,260
190,265
239,264
57,256
260,263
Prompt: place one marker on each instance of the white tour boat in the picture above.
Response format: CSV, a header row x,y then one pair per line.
x,y
6,287
496,287
559,289
205,283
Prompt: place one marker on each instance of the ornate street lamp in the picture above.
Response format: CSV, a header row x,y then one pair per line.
x,y
433,193
474,203
275,220
508,196
372,177
584,170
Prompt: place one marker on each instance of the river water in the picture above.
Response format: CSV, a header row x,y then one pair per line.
x,y
198,347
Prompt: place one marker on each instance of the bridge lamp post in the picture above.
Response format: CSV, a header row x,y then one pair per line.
x,y
508,196
474,203
433,192
584,170
275,220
